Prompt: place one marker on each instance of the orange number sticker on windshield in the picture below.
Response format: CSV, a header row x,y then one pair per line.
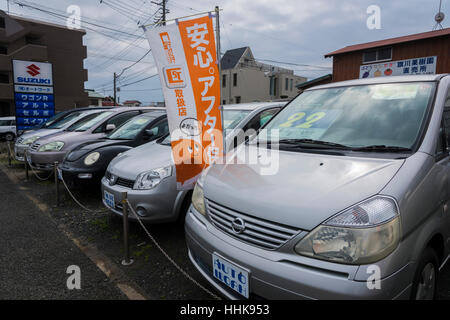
x,y
295,117
311,119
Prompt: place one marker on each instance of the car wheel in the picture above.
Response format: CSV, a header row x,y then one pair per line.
x,y
184,208
9,137
426,277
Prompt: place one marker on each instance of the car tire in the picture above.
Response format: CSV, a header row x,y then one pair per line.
x,y
9,136
184,208
426,276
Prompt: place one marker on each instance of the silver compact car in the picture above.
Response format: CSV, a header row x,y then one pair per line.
x,y
48,128
45,151
147,173
357,208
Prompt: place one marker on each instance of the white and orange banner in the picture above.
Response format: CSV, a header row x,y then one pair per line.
x,y
185,55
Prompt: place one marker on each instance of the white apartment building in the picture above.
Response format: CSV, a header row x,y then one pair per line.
x,y
246,80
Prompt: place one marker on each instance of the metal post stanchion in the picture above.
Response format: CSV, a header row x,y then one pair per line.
x,y
126,246
9,153
26,166
55,171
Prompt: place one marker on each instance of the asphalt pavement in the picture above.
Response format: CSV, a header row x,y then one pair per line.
x,y
35,255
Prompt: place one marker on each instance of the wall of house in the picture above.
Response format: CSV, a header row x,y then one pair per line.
x,y
254,85
346,66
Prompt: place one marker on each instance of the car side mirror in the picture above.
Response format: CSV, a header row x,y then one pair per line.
x,y
148,134
110,127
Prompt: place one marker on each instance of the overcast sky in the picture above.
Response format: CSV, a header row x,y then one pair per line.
x,y
297,31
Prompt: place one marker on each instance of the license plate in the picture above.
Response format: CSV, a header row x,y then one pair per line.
x,y
231,275
109,199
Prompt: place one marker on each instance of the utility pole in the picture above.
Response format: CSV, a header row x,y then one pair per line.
x,y
164,11
115,90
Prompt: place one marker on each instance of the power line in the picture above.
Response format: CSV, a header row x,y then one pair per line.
x,y
55,13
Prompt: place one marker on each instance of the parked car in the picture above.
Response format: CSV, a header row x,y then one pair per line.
x,y
50,127
60,115
147,172
88,161
44,152
8,128
359,206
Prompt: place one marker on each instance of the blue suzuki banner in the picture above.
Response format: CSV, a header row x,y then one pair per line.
x,y
34,113
35,105
34,97
33,93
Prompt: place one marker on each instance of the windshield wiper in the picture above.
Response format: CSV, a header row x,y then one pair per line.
x,y
310,143
382,148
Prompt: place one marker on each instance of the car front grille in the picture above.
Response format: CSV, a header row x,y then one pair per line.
x,y
125,183
121,181
258,232
35,146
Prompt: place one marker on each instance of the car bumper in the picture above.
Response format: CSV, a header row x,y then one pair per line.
x,y
81,176
45,160
277,275
158,204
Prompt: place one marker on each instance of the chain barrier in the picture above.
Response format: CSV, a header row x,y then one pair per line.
x,y
35,173
167,255
75,199
60,176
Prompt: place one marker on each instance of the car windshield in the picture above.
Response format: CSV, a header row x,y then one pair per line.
x,y
231,118
62,122
130,129
89,121
378,115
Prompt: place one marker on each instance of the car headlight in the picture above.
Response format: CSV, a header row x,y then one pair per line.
x,y
52,146
91,158
150,179
198,198
363,234
30,140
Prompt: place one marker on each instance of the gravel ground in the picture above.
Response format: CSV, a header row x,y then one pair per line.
x,y
151,270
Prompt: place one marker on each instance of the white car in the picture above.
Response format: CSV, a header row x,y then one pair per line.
x,y
8,128
147,172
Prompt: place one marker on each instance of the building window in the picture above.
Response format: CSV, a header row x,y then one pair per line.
x,y
4,77
224,102
33,39
234,79
2,22
238,99
286,84
292,84
381,54
3,49
273,86
224,81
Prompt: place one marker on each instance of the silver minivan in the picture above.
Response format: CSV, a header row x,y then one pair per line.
x,y
357,208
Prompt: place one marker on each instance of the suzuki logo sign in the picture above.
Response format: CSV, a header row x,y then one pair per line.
x,y
33,70
32,73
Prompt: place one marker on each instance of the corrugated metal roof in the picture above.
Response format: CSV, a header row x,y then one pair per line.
x,y
231,58
391,41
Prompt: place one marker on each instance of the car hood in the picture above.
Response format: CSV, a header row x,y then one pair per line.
x,y
69,138
306,190
130,164
40,133
92,145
